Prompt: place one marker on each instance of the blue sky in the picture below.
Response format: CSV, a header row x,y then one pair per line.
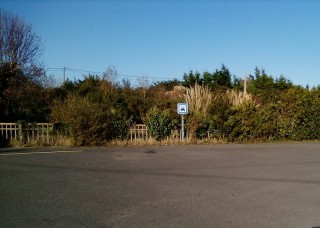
x,y
164,39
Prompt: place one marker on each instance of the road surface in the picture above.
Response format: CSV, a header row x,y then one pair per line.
x,y
233,185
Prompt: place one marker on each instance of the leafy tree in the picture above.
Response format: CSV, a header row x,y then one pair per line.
x,y
282,83
262,80
167,85
21,98
222,78
191,79
208,79
90,84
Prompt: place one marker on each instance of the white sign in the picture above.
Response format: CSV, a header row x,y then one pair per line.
x,y
182,108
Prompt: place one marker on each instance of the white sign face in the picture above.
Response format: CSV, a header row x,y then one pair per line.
x,y
182,108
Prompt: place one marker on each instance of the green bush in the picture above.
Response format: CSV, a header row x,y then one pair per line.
x,y
159,123
87,123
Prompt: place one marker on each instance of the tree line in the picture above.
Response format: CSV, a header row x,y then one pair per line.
x,y
97,109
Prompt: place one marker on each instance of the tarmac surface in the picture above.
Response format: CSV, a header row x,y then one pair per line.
x,y
232,185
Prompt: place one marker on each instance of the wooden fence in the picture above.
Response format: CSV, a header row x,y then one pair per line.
x,y
140,131
25,133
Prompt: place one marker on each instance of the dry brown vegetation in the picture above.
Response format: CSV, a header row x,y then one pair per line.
x,y
237,98
199,98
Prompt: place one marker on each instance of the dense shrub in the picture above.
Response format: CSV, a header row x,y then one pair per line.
x,y
87,123
159,123
94,110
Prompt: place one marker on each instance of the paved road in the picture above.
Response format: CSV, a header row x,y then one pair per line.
x,y
255,185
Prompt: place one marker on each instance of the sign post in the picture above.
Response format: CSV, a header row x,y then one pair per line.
x,y
182,109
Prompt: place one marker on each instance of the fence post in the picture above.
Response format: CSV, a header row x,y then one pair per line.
x,y
22,125
2,137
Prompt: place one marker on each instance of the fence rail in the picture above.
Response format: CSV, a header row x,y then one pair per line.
x,y
25,132
138,131
22,133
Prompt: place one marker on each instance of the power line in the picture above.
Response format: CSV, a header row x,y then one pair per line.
x,y
53,68
65,69
86,71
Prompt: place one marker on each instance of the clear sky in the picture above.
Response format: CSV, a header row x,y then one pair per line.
x,y
163,39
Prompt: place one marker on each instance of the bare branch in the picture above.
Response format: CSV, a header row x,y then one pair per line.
x,y
20,47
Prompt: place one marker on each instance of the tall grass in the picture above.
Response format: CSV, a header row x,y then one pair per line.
x,y
237,98
198,98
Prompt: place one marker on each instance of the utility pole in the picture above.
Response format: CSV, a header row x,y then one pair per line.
x,y
64,74
245,83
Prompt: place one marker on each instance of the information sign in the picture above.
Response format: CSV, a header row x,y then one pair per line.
x,y
182,108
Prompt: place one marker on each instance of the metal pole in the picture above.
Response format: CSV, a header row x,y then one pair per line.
x,y
182,127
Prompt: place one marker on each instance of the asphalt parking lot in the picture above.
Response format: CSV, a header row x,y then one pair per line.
x,y
233,185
